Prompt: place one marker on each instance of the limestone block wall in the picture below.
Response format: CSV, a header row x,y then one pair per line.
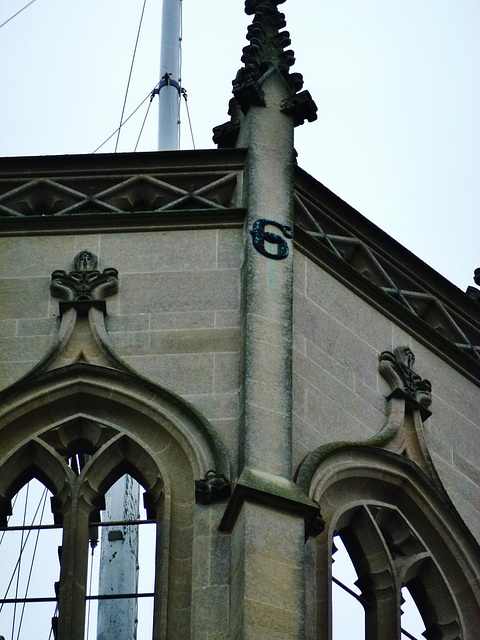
x,y
339,395
176,318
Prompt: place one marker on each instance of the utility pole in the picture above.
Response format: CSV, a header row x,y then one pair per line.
x,y
170,80
117,619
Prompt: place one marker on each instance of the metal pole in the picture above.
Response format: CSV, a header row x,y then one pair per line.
x,y
170,81
117,619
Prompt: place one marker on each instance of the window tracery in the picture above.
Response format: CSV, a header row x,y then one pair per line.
x,y
77,507
403,537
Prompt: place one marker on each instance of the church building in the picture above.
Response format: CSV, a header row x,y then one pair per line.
x,y
284,381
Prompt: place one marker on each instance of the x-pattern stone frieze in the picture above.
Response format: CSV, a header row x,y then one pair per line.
x,y
48,197
319,224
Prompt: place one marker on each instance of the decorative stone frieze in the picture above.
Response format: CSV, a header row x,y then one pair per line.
x,y
85,282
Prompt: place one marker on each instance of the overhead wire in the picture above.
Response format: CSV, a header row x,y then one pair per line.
x,y
89,593
152,95
2,602
51,628
130,74
16,14
126,120
32,562
184,94
20,560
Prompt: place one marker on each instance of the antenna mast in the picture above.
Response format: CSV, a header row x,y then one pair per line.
x,y
170,81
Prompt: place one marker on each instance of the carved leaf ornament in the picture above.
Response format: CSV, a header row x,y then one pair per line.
x,y
85,282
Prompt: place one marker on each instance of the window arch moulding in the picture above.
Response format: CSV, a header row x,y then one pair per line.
x,y
390,477
126,425
82,340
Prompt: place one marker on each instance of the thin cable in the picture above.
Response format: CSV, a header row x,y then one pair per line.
x,y
51,628
32,563
20,558
125,121
184,94
18,561
145,119
16,14
130,74
89,593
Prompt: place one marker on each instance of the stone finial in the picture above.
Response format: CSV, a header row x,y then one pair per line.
x,y
397,368
266,51
213,488
85,282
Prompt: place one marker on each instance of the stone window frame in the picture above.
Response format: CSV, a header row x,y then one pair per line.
x,y
126,425
429,549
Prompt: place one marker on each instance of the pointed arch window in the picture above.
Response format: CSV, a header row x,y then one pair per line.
x,y
379,562
51,591
384,576
352,606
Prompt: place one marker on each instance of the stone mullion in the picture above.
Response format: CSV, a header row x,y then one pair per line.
x,y
74,568
382,616
377,576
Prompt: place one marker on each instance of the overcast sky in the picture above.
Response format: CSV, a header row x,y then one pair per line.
x,y
396,83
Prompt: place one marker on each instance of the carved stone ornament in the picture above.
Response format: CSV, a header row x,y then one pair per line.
x,y
397,368
473,292
266,52
85,282
213,488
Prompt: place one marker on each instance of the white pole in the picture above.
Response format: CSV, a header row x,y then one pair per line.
x,y
170,80
117,619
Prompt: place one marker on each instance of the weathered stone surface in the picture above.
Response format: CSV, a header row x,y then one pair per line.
x,y
24,297
229,249
184,374
133,322
7,328
179,291
163,251
182,320
37,327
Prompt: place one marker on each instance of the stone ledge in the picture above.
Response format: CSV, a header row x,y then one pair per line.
x,y
273,491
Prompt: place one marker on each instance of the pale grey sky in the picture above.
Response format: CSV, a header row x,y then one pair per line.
x,y
396,83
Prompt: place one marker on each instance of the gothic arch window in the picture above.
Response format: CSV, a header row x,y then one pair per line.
x,y
87,475
409,549
78,431
386,558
